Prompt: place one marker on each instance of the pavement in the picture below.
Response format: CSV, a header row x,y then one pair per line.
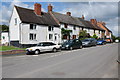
x,y
91,62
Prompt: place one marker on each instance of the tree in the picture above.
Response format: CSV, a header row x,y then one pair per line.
x,y
83,34
113,37
94,36
66,32
4,27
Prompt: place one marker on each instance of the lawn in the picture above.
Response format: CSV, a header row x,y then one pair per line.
x,y
6,48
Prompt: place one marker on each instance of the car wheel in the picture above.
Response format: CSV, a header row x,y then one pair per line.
x,y
54,50
37,52
59,49
81,47
103,43
71,48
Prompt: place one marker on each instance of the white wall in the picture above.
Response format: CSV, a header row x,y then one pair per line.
x,y
5,39
71,27
42,34
40,31
56,32
14,28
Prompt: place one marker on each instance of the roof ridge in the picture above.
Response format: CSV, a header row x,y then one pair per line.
x,y
27,8
64,14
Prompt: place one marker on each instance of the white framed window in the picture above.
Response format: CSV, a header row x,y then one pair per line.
x,y
50,36
15,21
32,26
74,27
55,38
32,36
50,28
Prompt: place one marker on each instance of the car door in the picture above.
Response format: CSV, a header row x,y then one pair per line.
x,y
73,44
51,46
77,43
45,47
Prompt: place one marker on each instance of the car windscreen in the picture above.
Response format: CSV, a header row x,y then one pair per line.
x,y
85,40
100,39
68,41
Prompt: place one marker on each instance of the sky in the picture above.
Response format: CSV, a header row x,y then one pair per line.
x,y
102,11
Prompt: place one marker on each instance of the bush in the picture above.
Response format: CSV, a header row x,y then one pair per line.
x,y
94,36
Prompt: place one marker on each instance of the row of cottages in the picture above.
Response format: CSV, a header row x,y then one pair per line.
x,y
29,27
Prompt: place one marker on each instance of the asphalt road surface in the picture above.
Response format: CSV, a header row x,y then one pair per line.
x,y
92,62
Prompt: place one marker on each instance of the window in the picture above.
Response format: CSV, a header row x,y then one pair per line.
x,y
74,37
15,21
50,28
74,27
55,38
65,25
99,31
50,36
32,36
82,28
52,44
32,26
94,31
64,36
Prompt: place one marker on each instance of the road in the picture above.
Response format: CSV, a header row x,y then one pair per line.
x,y
92,62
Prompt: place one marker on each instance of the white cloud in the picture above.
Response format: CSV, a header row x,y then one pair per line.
x,y
104,11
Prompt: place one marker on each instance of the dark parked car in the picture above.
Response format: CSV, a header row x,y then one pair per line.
x,y
101,42
72,44
89,42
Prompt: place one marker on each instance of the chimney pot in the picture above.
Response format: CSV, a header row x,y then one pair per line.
x,y
50,7
83,17
37,8
69,13
93,21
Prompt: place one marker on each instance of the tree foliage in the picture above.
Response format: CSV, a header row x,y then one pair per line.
x,y
83,34
94,36
4,27
66,32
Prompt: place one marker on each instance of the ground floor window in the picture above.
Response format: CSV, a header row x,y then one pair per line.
x,y
32,36
74,37
99,31
50,36
55,38
64,36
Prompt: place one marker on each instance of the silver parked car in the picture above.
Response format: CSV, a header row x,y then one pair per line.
x,y
43,47
89,42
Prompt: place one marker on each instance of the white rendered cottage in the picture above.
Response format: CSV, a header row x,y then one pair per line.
x,y
29,27
69,22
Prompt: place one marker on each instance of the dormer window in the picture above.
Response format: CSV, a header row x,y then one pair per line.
x,y
32,26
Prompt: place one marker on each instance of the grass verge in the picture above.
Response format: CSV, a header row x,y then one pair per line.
x,y
6,48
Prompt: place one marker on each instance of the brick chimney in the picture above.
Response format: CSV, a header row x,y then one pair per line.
x,y
37,9
83,17
50,7
104,23
93,21
68,13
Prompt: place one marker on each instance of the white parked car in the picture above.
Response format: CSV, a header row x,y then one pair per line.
x,y
43,47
